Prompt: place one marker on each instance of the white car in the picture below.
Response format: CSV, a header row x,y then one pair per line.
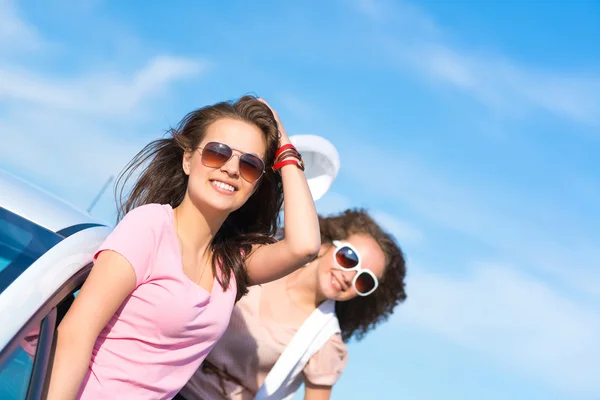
x,y
46,250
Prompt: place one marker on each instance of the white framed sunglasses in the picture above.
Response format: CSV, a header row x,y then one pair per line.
x,y
346,258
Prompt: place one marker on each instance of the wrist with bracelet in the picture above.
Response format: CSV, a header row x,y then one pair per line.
x,y
287,155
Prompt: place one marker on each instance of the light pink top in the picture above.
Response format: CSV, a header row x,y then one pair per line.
x,y
252,344
166,327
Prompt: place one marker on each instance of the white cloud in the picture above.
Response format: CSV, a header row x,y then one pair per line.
x,y
298,106
398,15
66,153
99,94
69,134
332,203
514,319
402,230
516,224
15,34
371,8
508,86
408,37
543,234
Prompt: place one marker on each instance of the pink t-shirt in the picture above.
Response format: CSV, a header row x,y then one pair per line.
x,y
163,331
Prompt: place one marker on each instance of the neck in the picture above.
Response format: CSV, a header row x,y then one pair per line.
x,y
302,286
195,227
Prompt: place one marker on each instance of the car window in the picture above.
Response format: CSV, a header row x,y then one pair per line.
x,y
23,372
21,243
13,240
15,371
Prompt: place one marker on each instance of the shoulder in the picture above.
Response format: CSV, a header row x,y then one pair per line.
x,y
149,212
326,365
335,347
148,216
137,237
141,228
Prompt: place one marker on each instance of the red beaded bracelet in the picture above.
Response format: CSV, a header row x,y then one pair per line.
x,y
288,153
295,161
284,147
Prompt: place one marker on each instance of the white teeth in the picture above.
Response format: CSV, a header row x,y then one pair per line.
x,y
223,185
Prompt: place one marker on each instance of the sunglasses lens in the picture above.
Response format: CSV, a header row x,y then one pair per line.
x,y
215,155
346,257
251,167
364,282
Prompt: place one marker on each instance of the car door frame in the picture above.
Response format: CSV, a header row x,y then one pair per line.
x,y
40,290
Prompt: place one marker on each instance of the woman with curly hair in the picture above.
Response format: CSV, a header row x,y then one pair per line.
x,y
360,270
198,227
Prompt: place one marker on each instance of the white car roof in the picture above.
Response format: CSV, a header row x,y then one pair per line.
x,y
38,205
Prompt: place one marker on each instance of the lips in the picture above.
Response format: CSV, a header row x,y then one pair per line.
x,y
223,186
337,284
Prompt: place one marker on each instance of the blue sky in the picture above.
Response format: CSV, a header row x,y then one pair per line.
x,y
469,129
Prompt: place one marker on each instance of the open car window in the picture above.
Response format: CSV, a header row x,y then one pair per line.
x,y
15,371
25,372
39,274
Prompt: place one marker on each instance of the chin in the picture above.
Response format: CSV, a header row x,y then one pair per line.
x,y
223,207
328,292
216,204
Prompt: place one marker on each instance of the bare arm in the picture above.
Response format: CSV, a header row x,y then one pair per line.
x,y
111,280
313,392
302,238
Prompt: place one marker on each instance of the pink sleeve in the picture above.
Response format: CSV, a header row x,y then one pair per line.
x,y
326,365
136,239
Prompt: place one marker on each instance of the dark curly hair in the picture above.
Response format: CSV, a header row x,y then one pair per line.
x,y
163,181
361,314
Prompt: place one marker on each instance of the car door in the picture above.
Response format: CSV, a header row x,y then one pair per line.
x,y
31,308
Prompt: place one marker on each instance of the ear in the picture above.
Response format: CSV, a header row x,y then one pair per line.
x,y
187,159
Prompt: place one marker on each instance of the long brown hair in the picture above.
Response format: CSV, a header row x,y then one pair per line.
x,y
163,181
361,314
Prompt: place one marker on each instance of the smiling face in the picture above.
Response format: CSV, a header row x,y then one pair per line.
x,y
223,189
336,284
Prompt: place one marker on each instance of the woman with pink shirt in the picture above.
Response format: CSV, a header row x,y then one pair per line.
x,y
197,229
360,269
